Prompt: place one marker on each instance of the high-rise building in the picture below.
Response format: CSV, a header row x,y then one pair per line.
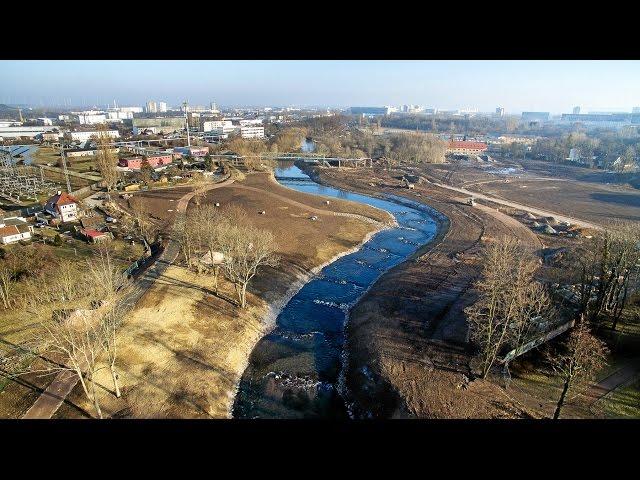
x,y
500,112
576,110
635,110
152,107
162,107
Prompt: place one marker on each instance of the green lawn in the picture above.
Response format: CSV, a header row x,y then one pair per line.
x,y
623,402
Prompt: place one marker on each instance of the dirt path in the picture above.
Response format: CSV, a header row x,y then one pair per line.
x,y
50,400
319,211
407,337
526,208
617,379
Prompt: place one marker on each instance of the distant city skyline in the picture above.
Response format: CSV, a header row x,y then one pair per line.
x,y
550,86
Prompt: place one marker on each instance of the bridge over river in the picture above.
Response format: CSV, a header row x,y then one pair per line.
x,y
307,157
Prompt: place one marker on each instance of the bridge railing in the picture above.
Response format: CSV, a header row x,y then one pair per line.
x,y
292,156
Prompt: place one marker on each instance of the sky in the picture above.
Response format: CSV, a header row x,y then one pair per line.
x,y
555,86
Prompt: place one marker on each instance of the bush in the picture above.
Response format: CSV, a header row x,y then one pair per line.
x,y
57,241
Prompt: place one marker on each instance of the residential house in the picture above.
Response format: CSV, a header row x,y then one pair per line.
x,y
14,229
96,236
62,206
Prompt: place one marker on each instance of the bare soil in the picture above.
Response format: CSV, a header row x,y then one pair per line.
x,y
184,347
407,339
590,195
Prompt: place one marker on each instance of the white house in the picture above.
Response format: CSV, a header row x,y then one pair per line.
x,y
14,229
62,206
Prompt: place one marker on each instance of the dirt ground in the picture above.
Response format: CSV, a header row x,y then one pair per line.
x,y
407,338
590,195
184,348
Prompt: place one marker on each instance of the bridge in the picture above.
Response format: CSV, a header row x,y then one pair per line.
x,y
315,158
293,179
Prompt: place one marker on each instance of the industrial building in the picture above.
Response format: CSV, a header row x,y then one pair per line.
x,y
370,110
252,132
218,127
19,132
88,135
91,118
602,119
192,151
251,121
158,125
135,163
535,116
465,147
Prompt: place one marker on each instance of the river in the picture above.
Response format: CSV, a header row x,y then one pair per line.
x,y
294,371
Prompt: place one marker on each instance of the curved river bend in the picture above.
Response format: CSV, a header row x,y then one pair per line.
x,y
293,371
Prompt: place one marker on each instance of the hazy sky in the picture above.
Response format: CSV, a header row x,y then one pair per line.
x,y
554,86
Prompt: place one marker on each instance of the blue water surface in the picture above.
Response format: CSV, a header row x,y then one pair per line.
x,y
293,371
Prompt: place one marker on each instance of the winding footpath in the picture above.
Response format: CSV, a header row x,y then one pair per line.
x,y
47,404
519,206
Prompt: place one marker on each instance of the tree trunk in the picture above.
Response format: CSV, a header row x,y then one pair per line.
x,y
243,295
96,405
565,389
114,376
216,270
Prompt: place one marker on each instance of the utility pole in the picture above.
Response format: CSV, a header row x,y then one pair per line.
x,y
64,168
186,117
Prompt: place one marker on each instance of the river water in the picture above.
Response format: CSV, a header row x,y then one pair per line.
x,y
294,371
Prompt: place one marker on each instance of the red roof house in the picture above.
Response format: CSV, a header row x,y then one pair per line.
x,y
94,236
63,206
465,147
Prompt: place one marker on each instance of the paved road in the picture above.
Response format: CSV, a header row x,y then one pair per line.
x,y
526,208
50,400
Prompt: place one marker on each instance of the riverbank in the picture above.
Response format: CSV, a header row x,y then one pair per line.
x,y
184,348
407,338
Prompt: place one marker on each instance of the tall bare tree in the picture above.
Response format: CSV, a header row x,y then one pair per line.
x,y
79,326
608,272
146,171
510,301
583,356
142,224
106,160
245,250
290,139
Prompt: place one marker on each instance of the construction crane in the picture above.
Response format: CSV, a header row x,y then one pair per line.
x,y
20,113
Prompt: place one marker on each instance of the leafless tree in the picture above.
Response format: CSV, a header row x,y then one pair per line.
x,y
245,250
510,301
142,225
80,325
184,232
146,171
289,139
106,160
418,148
608,272
584,355
250,149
